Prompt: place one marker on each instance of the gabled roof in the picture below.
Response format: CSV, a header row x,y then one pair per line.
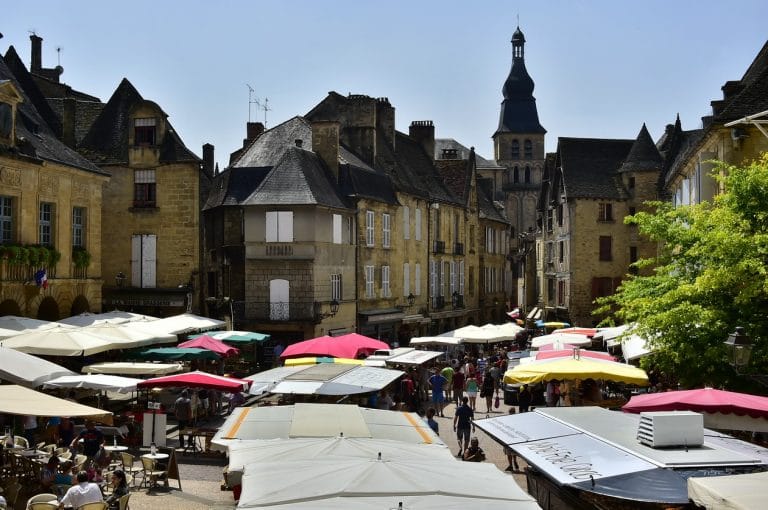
x,y
234,185
37,138
269,147
457,175
299,178
489,210
107,140
644,156
24,78
462,152
590,167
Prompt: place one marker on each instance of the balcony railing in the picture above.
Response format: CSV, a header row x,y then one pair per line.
x,y
279,311
458,248
438,247
438,302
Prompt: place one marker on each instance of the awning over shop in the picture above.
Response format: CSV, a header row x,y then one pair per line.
x,y
23,401
128,368
382,315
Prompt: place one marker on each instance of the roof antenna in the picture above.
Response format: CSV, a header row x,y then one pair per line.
x,y
250,100
265,107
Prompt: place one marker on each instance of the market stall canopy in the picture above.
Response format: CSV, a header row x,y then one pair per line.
x,y
115,316
263,382
197,379
17,323
178,353
322,420
237,337
336,379
181,324
24,401
435,340
561,339
95,382
508,328
61,341
571,368
402,356
315,360
351,345
576,330
734,492
212,344
128,368
596,450
568,353
477,335
351,483
721,409
27,370
130,338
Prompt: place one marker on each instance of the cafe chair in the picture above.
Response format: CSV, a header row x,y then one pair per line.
x,y
123,502
98,505
129,466
151,473
45,497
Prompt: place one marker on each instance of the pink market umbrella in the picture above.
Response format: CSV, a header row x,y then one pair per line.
x,y
568,353
212,344
197,379
350,345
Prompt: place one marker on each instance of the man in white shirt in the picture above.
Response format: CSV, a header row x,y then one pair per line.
x,y
82,493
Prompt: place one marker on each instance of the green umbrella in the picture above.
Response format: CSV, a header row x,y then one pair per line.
x,y
178,353
236,337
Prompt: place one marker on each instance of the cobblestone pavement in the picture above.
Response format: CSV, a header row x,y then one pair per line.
x,y
201,476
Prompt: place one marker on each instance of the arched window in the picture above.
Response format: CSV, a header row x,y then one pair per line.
x,y
528,149
516,175
527,174
515,149
278,300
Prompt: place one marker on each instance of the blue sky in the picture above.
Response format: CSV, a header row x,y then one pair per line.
x,y
601,68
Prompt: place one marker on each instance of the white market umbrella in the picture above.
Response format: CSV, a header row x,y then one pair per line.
x,y
27,370
509,329
475,335
435,340
60,341
560,340
25,323
18,400
311,484
133,368
95,382
180,324
130,337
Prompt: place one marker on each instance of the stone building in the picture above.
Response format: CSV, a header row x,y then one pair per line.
x,y
735,133
586,249
50,210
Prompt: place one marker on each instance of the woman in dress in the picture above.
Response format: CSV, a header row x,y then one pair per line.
x,y
487,392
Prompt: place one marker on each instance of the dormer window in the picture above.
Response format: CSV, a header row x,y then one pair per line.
x,y
145,130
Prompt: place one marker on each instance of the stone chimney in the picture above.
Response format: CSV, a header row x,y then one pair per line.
x,y
385,120
325,143
37,54
208,163
68,116
253,130
423,131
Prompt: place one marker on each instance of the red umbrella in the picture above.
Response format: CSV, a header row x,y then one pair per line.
x,y
197,379
211,344
706,400
568,353
350,345
579,331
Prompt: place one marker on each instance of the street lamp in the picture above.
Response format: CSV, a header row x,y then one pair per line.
x,y
411,299
324,315
739,348
120,279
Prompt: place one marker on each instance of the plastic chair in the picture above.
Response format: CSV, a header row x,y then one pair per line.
x,y
129,467
151,473
98,505
123,502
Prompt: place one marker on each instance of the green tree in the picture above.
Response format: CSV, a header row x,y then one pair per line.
x,y
709,276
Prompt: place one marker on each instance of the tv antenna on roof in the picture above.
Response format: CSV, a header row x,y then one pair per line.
x,y
264,106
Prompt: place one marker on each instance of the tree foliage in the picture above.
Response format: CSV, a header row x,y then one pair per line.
x,y
709,276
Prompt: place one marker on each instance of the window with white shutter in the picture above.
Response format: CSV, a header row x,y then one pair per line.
x,y
417,280
337,229
279,227
370,221
417,225
385,291
386,230
461,277
406,222
336,287
433,278
406,279
453,278
369,281
144,260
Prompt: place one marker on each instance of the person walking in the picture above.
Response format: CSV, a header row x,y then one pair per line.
x,y
447,372
487,391
437,382
183,412
524,399
471,386
463,424
458,386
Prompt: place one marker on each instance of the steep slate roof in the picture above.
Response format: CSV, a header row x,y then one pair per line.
x,y
39,140
751,100
462,152
107,140
234,185
24,78
457,176
299,178
489,209
644,156
590,166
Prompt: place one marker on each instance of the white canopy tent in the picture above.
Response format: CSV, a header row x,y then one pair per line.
x,y
179,324
115,316
16,323
95,382
60,341
129,337
436,340
22,401
27,370
346,483
560,340
479,335
128,368
734,492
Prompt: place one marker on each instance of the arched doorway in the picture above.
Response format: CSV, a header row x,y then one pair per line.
x,y
10,307
48,310
80,305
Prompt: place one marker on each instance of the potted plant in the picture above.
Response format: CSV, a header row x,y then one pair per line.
x,y
80,257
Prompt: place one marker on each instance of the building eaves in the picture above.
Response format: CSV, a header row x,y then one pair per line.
x,y
234,185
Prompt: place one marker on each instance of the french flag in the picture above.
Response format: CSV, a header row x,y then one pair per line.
x,y
41,279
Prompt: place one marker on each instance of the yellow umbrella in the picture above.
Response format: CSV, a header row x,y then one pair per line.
x,y
315,360
572,368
